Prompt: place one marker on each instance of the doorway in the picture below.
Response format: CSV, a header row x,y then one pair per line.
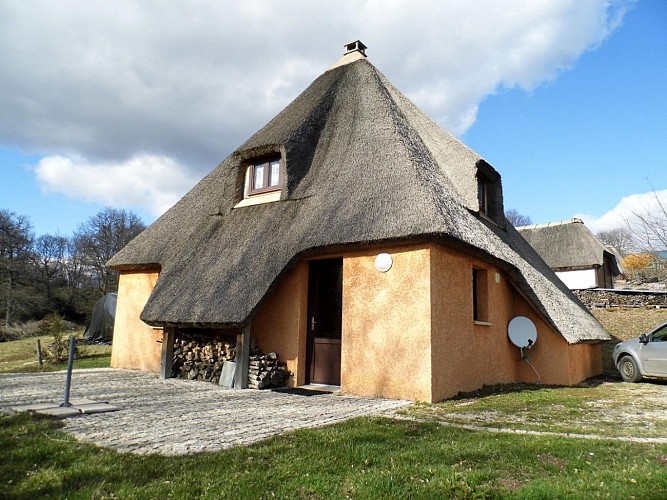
x,y
325,317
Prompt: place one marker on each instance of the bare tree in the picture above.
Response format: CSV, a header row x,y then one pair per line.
x,y
15,255
516,219
649,225
102,236
619,238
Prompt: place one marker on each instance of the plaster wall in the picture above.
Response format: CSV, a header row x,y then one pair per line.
x,y
582,278
585,361
135,344
556,361
386,342
280,324
467,354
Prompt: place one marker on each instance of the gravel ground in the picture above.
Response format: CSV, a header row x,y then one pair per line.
x,y
174,417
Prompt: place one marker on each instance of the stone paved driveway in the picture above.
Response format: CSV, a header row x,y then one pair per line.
x,y
174,417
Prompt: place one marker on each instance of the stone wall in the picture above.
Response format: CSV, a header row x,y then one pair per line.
x,y
621,298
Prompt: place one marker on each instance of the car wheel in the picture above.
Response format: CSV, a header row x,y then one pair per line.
x,y
629,369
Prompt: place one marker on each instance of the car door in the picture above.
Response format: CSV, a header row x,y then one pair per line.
x,y
654,354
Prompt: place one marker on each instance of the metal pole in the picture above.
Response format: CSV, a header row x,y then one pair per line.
x,y
70,362
39,352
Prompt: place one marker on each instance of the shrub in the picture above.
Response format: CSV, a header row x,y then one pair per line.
x,y
20,331
56,326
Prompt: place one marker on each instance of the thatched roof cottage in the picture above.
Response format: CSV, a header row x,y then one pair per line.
x,y
362,243
579,259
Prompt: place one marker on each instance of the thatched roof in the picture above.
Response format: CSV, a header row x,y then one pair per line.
x,y
363,165
568,246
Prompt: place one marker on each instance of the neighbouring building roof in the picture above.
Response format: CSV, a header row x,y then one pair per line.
x,y
363,165
568,246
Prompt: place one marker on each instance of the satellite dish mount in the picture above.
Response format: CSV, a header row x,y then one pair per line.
x,y
522,333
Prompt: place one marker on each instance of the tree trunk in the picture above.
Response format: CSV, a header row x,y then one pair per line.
x,y
8,312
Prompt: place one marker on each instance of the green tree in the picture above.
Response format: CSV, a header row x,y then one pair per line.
x,y
15,263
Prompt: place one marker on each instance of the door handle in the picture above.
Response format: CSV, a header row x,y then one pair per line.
x,y
312,323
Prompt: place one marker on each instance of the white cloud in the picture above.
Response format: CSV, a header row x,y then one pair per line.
x,y
153,183
190,81
625,211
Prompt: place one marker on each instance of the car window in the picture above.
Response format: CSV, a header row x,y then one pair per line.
x,y
660,335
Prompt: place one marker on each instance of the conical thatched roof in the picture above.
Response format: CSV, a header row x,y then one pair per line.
x,y
363,165
568,245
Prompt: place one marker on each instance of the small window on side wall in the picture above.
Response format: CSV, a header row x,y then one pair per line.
x,y
482,194
264,176
480,295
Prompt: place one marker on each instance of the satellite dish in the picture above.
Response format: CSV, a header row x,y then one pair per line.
x,y
522,332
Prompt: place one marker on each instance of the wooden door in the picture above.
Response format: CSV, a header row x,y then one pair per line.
x,y
325,313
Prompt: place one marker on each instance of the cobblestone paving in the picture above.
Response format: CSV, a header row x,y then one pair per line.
x,y
174,417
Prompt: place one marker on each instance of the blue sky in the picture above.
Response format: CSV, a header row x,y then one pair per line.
x,y
128,105
596,134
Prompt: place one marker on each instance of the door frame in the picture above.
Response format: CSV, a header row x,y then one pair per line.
x,y
314,305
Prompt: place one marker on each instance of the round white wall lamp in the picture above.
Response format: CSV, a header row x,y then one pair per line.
x,y
383,262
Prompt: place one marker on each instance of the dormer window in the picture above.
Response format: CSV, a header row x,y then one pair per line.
x,y
490,193
264,176
263,180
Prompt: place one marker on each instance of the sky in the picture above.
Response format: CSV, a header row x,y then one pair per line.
x,y
128,104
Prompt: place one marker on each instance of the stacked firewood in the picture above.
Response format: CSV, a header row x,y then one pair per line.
x,y
200,358
266,371
197,358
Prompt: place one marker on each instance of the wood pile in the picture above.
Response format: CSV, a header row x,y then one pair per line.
x,y
266,371
200,358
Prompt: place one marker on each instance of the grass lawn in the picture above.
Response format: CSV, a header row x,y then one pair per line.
x,y
21,356
362,458
424,456
600,407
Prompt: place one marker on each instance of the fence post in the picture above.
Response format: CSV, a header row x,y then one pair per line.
x,y
39,352
70,363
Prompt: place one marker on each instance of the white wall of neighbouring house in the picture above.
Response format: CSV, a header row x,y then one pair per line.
x,y
582,278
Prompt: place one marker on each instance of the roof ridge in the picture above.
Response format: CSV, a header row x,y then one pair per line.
x,y
573,220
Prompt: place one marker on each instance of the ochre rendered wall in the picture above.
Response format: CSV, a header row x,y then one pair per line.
x,y
410,334
387,324
556,361
135,344
280,324
585,361
467,355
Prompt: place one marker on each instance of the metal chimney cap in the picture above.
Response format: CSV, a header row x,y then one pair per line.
x,y
356,46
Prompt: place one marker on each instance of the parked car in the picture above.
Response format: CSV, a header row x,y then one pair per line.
x,y
644,356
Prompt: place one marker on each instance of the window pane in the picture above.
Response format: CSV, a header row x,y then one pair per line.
x,y
258,179
481,195
274,179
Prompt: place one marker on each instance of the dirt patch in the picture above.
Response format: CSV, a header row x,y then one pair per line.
x,y
510,483
625,324
547,459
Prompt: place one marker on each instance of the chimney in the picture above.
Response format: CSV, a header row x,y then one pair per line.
x,y
356,46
